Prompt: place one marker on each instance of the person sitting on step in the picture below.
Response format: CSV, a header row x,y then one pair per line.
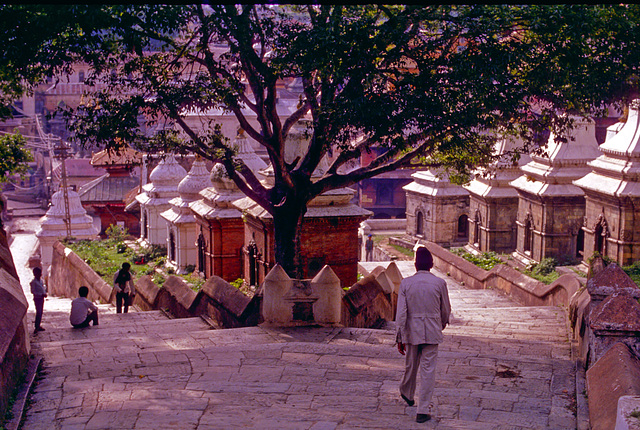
x,y
82,310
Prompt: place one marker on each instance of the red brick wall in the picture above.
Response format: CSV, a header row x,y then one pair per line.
x,y
332,241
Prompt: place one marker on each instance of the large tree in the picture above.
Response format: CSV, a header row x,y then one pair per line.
x,y
429,84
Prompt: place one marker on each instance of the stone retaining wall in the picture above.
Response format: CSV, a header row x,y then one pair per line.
x,y
520,287
15,346
68,272
223,305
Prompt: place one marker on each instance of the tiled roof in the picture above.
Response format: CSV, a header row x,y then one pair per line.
x,y
108,189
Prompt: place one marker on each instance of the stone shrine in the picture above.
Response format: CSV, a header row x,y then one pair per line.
x,y
437,210
221,236
493,204
550,207
53,226
612,215
154,200
329,236
181,223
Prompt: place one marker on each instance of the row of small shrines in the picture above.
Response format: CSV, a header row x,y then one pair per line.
x,y
579,199
208,225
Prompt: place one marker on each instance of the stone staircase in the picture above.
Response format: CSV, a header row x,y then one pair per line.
x,y
501,366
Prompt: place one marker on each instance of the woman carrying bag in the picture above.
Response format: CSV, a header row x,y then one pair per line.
x,y
123,285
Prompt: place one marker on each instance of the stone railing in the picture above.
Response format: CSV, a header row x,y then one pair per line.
x,y
368,303
14,332
520,287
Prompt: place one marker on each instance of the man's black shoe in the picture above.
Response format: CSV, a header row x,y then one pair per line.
x,y
422,418
409,402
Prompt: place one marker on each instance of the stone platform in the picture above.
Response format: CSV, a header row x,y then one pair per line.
x,y
501,366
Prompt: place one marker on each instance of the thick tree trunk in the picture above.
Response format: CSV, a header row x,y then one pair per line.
x,y
287,224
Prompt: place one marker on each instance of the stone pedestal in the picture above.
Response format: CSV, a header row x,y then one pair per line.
x,y
290,302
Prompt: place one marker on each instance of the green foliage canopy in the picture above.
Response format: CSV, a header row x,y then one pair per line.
x,y
14,156
430,84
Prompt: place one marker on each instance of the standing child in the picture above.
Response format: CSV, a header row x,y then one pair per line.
x,y
39,291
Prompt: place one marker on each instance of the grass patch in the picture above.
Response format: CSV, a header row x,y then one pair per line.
x,y
106,257
405,251
545,271
486,260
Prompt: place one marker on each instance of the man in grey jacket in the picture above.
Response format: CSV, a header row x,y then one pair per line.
x,y
423,312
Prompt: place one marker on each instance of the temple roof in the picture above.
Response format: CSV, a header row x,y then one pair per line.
x,y
430,183
107,189
552,174
494,181
617,171
121,157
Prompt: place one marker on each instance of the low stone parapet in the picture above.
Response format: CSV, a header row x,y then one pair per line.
x,y
14,332
616,374
519,286
68,272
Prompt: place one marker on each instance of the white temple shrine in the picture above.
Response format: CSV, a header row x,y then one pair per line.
x,y
53,226
550,207
154,200
493,205
181,223
437,209
612,216
220,237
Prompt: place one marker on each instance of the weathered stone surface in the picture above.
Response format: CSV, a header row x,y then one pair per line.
x,y
618,312
616,374
147,293
14,339
229,297
615,319
366,304
611,279
176,296
627,415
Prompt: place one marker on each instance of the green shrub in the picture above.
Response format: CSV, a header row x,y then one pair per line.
x,y
190,268
116,233
545,271
238,283
486,260
633,271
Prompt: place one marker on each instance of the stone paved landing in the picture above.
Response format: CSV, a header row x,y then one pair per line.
x,y
501,367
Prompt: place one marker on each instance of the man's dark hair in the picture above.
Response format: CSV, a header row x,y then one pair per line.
x,y
37,270
424,259
126,265
83,291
